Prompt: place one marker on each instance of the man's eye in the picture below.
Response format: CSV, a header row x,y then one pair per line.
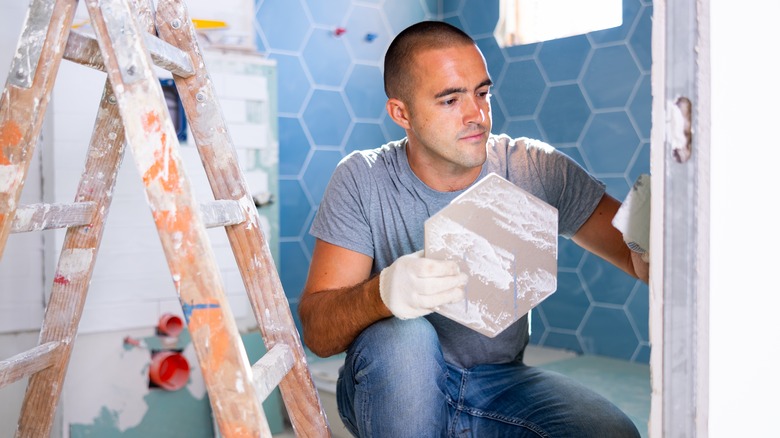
x,y
449,102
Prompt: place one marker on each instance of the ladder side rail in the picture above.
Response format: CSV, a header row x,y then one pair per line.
x,y
253,256
75,266
25,98
191,260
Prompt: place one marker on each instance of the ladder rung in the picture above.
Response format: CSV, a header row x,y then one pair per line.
x,y
222,213
83,49
28,362
38,217
271,369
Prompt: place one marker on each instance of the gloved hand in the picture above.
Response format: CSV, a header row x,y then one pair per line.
x,y
414,286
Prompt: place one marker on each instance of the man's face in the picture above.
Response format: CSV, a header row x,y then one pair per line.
x,y
448,108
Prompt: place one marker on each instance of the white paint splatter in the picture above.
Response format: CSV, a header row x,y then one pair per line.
x,y
10,176
74,262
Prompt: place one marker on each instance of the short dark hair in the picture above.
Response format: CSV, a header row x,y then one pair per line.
x,y
415,38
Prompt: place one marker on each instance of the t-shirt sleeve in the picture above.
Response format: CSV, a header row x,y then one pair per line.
x,y
341,218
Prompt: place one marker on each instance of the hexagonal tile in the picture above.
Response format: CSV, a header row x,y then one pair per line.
x,y
610,142
607,331
641,162
362,21
610,77
451,6
630,11
326,57
497,116
641,107
294,88
639,307
293,146
403,14
295,208
328,13
607,283
365,92
455,21
567,306
327,118
493,54
364,136
569,254
563,114
391,129
480,17
296,268
318,172
523,128
640,38
565,341
284,24
562,59
431,7
617,186
521,52
523,85
537,325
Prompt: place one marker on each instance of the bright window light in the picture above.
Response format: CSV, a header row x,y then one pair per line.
x,y
533,21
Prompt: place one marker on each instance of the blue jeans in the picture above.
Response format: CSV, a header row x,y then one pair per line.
x,y
395,383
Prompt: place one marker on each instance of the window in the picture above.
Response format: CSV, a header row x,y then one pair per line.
x,y
533,21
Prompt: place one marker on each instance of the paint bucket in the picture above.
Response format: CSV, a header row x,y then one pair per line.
x,y
169,370
170,325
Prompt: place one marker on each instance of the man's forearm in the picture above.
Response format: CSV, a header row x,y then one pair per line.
x,y
332,319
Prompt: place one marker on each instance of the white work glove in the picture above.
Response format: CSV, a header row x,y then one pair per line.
x,y
415,286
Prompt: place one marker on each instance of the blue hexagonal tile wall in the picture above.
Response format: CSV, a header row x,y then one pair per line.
x,y
365,92
327,117
331,69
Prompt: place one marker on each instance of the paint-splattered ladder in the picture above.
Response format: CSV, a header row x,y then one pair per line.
x,y
126,48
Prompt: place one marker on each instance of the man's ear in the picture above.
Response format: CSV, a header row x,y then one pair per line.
x,y
397,111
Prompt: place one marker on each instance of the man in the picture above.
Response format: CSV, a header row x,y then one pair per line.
x,y
410,372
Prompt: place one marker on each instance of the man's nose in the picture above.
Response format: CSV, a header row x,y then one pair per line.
x,y
474,112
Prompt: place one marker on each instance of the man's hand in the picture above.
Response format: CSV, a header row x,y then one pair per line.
x,y
414,286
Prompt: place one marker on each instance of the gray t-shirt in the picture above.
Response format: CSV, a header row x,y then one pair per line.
x,y
375,205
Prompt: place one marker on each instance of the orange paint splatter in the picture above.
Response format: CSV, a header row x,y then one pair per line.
x,y
10,135
164,170
151,122
208,316
174,220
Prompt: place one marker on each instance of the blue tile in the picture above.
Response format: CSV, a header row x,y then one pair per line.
x,y
455,21
639,308
451,6
523,128
521,88
617,187
608,332
610,142
295,208
642,355
328,12
293,146
497,116
641,164
641,107
564,114
480,17
391,129
537,326
364,136
400,15
293,84
610,77
630,11
295,268
432,8
318,172
575,154
494,56
565,341
326,57
284,24
565,308
607,283
327,118
521,52
569,254
562,59
308,239
641,38
362,21
365,92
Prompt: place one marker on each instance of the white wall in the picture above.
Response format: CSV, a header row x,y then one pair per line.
x,y
745,295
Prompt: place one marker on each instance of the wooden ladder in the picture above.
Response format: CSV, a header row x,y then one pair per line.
x,y
129,37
